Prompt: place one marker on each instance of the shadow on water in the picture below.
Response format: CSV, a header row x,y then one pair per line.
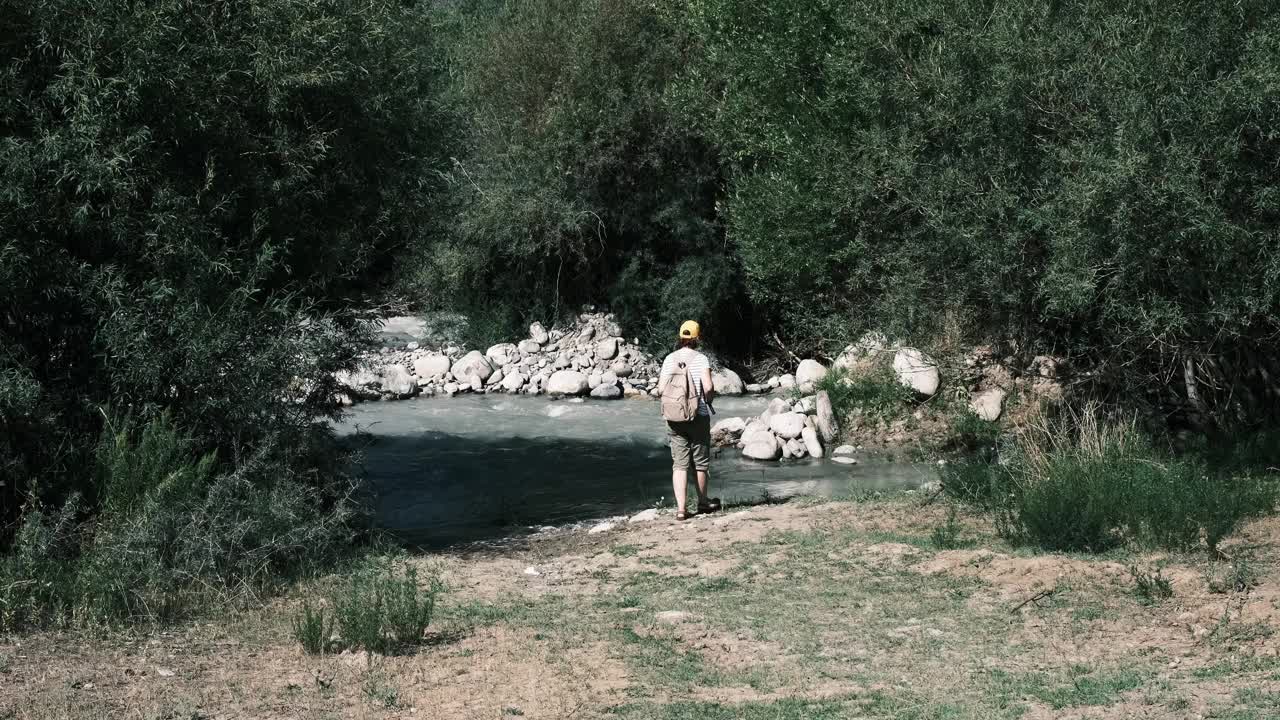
x,y
433,489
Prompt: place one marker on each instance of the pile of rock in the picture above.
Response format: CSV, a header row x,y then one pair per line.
x,y
589,358
785,430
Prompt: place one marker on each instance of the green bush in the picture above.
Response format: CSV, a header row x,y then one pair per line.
x,y
384,605
1150,587
876,396
312,628
947,535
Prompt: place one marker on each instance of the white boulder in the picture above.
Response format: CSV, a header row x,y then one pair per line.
x,y
844,460
726,382
827,425
473,363
844,450
809,374
621,368
567,382
431,366
513,382
762,446
502,354
988,404
787,425
538,334
396,380
917,371
605,391
727,431
786,382
810,438
528,347
862,353
607,349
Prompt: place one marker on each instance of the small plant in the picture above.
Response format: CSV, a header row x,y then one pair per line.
x,y
1150,587
1238,578
947,535
379,692
877,396
312,628
382,606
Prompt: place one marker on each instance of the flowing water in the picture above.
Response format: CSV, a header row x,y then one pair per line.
x,y
483,467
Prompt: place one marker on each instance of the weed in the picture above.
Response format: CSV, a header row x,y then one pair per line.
x,y
970,433
379,692
1239,577
311,628
383,605
1150,587
877,396
625,550
947,535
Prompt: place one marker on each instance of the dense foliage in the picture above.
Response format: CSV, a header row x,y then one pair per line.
x,y
194,196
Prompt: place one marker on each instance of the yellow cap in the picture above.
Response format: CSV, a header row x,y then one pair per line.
x,y
689,329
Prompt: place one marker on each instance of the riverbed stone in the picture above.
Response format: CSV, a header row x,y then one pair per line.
x,y
496,378
786,382
431,366
826,419
776,406
607,349
726,382
473,363
396,380
809,374
916,371
513,382
809,437
988,404
605,391
529,347
762,446
644,516
567,382
538,334
844,450
862,355
477,384
502,354
601,527
727,431
844,460
621,368
787,425
451,389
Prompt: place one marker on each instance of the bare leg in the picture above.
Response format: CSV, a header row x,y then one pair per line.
x,y
679,486
702,487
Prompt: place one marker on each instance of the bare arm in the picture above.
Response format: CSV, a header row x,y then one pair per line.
x,y
708,387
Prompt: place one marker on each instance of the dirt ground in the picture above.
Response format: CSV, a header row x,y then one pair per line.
x,y
796,610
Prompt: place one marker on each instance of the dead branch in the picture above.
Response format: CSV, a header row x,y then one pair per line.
x,y
1034,599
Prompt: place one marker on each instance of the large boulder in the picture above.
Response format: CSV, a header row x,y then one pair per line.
x,y
502,354
776,405
621,368
396,380
528,347
755,427
809,437
917,371
431,366
473,363
786,382
538,334
727,431
762,446
827,425
809,374
787,425
988,404
607,349
607,391
567,382
726,382
862,354
513,381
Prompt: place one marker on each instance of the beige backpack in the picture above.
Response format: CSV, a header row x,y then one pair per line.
x,y
679,401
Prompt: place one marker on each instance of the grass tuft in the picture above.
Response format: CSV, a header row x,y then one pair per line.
x,y
312,628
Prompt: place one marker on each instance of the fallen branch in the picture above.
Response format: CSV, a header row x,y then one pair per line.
x,y
1034,599
785,349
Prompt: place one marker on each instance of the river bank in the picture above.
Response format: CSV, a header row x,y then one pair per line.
x,y
809,609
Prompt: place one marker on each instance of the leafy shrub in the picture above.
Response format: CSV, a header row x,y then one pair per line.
x,y
972,480
1150,587
969,433
877,395
1086,484
383,605
312,628
947,535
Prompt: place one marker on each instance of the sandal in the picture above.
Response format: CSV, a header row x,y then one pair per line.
x,y
682,515
710,506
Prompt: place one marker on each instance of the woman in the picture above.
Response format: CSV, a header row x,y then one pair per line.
x,y
690,440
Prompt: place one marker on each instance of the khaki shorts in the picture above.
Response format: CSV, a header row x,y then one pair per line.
x,y
690,443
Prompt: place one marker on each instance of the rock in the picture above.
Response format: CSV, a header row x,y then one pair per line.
x,y
827,425
561,362
863,354
473,363
587,333
432,367
762,446
412,346
608,378
513,382
396,380
917,371
774,382
786,382
776,406
788,425
727,431
538,334
621,369
495,378
844,450
477,385
605,391
672,616
532,571
451,389
607,349
601,527
810,438
165,672
593,380
644,516
805,405
726,382
988,404
528,347
844,460
502,354
631,391
809,374
786,450
756,389
797,448
567,382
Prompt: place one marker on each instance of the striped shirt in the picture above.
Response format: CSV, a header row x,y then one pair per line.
x,y
695,362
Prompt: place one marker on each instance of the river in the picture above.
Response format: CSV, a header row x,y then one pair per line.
x,y
484,467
